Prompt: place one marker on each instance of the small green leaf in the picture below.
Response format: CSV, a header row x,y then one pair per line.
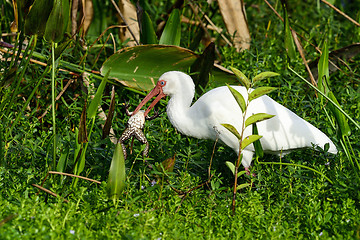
x,y
239,98
241,77
289,41
257,144
117,174
249,140
241,186
95,102
264,75
147,32
260,91
241,173
258,117
231,166
232,129
172,31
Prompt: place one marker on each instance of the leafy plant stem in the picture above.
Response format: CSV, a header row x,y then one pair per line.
x,y
238,161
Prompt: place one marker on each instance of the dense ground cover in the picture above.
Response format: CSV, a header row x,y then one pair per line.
x,y
283,202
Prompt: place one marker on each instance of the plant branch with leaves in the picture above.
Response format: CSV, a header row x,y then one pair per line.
x,y
245,141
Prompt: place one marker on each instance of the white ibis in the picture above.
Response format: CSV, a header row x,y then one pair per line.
x,y
281,134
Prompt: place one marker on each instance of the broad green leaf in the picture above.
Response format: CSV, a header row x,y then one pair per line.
x,y
232,129
57,22
95,102
258,117
257,144
260,91
172,31
241,77
289,41
340,118
241,186
249,140
117,174
147,32
140,67
37,17
231,166
323,71
263,75
239,98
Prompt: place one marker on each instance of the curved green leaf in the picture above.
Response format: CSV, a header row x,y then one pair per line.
x,y
258,92
117,174
241,77
140,67
232,129
147,32
244,185
264,75
239,98
249,140
231,166
95,102
258,117
172,31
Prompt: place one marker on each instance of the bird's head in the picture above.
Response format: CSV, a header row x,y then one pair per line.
x,y
168,84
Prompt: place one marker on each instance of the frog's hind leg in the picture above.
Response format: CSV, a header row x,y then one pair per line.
x,y
141,137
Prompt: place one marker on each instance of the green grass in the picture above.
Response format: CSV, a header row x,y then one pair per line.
x,y
284,202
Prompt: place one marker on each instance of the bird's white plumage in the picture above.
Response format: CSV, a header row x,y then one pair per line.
x,y
282,133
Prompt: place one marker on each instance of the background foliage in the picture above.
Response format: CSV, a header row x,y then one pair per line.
x,y
282,201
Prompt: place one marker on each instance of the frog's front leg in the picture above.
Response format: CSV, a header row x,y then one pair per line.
x,y
140,136
126,106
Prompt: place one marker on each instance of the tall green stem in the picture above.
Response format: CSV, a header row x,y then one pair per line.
x,y
53,101
239,159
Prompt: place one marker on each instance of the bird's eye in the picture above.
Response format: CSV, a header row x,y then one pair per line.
x,y
162,82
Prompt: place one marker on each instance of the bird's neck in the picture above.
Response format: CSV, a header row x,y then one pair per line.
x,y
178,111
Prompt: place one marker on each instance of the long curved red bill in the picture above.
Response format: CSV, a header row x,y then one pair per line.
x,y
157,90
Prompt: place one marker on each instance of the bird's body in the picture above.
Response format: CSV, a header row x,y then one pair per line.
x,y
282,133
